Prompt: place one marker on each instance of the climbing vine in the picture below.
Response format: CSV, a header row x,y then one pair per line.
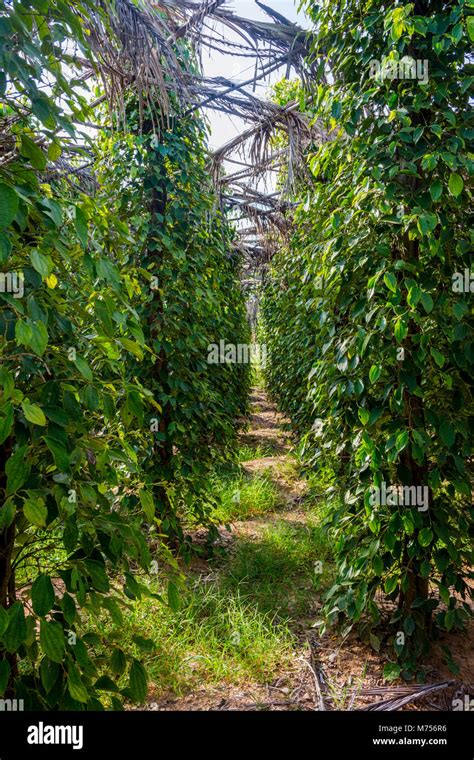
x,y
105,317
383,355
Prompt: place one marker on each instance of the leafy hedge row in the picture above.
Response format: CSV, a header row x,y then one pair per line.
x,y
369,330
109,413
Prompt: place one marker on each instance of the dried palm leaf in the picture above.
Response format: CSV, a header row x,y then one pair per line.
x,y
405,695
133,43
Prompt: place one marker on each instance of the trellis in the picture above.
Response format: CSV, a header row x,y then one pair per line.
x,y
138,43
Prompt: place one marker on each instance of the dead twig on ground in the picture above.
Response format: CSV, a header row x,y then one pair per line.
x,y
320,701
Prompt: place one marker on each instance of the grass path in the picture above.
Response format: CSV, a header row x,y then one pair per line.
x,y
261,587
245,636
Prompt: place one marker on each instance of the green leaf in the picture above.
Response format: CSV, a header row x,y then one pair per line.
x,y
8,205
173,596
16,632
105,683
444,593
425,569
80,223
6,421
449,620
400,331
39,338
425,537
401,441
427,223
17,470
138,682
377,564
33,152
98,575
107,270
42,595
60,455
75,685
23,332
455,184
49,672
146,645
390,281
33,413
54,151
84,368
438,357
132,347
5,247
118,662
7,513
375,642
35,512
4,676
148,505
409,625
43,111
414,295
391,584
52,640
68,607
436,189
408,523
53,210
470,27
459,309
427,302
447,433
375,372
398,27
43,264
4,620
391,671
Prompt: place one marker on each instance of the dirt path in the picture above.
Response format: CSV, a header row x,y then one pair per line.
x,y
339,674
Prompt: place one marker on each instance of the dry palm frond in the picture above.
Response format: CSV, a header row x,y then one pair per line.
x,y
193,26
403,695
136,46
7,140
263,38
80,178
133,43
286,119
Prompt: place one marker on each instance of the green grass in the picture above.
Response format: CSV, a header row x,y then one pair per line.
x,y
247,452
238,623
258,381
242,497
279,569
214,637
